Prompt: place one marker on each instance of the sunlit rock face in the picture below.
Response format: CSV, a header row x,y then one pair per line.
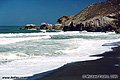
x,y
46,26
30,26
98,17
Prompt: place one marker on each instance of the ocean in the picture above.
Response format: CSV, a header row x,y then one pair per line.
x,y
28,52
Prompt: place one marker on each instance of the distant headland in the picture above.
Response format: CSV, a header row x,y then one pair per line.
x,y
97,17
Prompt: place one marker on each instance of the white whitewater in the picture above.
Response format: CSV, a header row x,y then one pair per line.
x,y
26,54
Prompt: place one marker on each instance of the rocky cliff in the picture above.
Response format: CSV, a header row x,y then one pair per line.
x,y
60,22
97,17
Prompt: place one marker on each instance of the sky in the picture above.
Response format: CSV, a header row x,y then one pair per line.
x,y
22,12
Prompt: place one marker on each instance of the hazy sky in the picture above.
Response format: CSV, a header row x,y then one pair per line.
x,y
22,12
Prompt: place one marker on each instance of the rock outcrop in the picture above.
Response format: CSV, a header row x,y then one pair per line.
x,y
46,26
98,17
60,22
30,26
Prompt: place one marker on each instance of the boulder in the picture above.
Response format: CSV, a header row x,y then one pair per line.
x,y
30,26
46,26
49,26
43,26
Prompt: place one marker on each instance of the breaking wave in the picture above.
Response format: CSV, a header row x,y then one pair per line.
x,y
39,52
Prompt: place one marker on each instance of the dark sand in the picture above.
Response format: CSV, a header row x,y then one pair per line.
x,y
106,68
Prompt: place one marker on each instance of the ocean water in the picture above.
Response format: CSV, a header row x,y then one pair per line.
x,y
25,53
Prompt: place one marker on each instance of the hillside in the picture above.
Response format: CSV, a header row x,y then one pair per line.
x,y
98,9
97,17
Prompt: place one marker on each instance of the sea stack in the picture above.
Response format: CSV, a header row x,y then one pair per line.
x,y
46,26
30,26
97,17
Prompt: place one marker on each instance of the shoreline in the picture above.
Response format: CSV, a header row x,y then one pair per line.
x,y
105,68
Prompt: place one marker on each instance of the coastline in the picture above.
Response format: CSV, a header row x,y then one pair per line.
x,y
51,52
106,68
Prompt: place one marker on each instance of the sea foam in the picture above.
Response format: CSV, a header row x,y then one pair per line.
x,y
47,51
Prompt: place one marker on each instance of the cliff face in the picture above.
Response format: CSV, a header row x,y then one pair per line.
x,y
98,17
